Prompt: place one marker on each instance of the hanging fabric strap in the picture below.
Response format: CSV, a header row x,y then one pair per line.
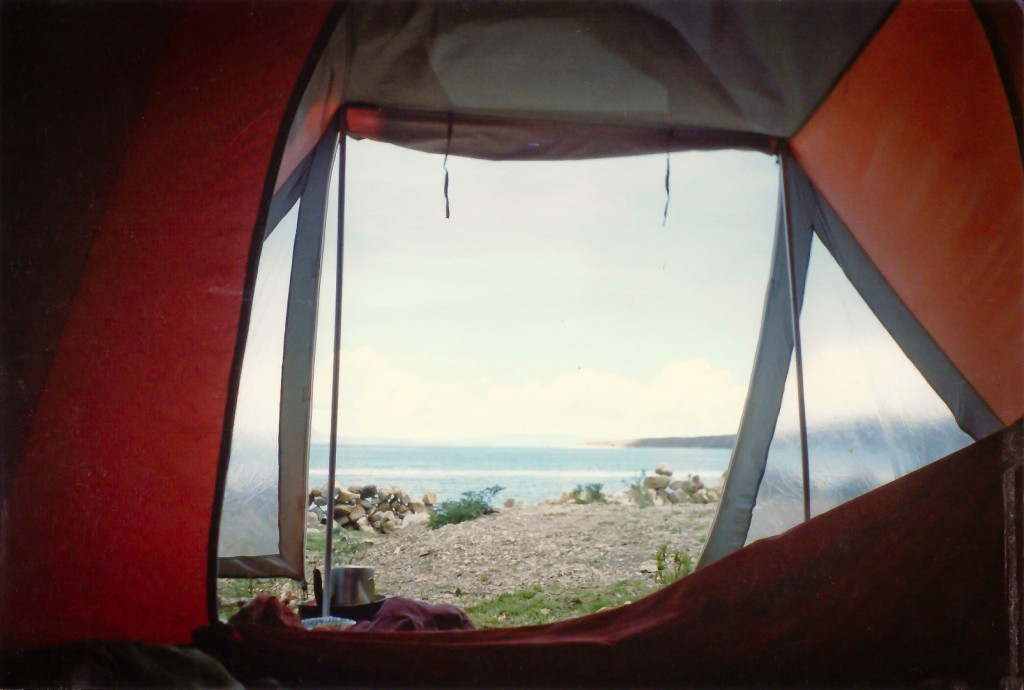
x,y
447,150
668,177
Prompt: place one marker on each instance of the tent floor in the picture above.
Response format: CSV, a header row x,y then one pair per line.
x,y
904,587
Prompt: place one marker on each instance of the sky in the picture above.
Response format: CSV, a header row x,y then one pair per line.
x,y
553,306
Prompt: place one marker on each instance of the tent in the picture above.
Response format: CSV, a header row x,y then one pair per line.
x,y
148,149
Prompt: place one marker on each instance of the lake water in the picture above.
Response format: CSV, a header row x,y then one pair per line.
x,y
528,474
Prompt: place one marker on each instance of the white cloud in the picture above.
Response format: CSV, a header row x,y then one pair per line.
x,y
380,399
856,381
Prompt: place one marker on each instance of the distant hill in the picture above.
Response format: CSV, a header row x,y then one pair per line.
x,y
726,441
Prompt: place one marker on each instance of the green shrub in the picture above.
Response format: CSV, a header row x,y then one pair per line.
x,y
671,566
472,505
591,493
639,493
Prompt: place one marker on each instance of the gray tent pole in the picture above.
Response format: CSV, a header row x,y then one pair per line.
x,y
797,349
332,457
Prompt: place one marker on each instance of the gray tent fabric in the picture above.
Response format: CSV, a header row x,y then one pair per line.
x,y
768,381
296,380
491,138
707,69
288,195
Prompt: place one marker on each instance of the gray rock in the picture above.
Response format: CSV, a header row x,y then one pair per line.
x,y
357,513
621,498
415,519
656,481
648,567
368,491
664,470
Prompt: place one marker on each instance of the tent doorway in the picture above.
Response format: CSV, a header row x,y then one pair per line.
x,y
558,315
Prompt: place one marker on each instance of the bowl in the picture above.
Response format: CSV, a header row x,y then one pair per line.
x,y
328,623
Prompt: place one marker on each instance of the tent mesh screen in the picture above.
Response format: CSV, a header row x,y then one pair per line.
x,y
871,416
249,520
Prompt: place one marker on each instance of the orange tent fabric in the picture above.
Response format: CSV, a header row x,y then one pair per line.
x,y
916,151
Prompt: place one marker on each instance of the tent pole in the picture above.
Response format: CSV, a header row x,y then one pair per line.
x,y
332,457
797,349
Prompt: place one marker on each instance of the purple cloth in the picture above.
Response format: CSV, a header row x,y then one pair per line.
x,y
400,613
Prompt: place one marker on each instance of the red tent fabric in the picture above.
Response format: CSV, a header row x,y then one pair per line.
x,y
130,427
830,601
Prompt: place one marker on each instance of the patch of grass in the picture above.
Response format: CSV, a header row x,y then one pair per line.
x,y
591,493
348,547
533,606
472,505
236,592
671,566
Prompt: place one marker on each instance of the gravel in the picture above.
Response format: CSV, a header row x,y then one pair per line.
x,y
591,545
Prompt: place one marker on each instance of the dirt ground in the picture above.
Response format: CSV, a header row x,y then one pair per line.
x,y
570,545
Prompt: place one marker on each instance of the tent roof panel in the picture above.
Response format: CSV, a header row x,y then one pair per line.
x,y
706,66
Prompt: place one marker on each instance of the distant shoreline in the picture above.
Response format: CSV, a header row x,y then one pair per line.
x,y
724,441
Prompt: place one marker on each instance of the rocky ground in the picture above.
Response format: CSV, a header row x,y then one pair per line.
x,y
589,545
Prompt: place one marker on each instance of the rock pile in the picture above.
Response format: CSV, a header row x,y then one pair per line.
x,y
658,489
665,489
369,508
